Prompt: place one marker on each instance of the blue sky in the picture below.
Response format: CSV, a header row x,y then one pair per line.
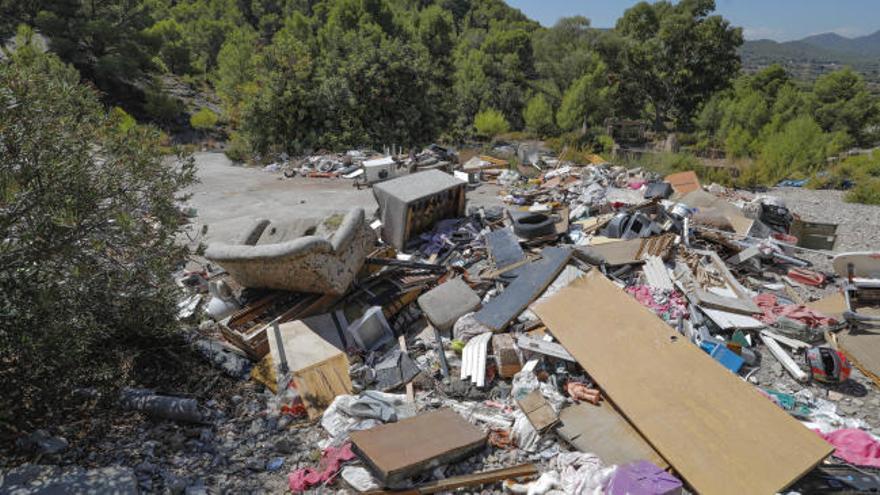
x,y
781,20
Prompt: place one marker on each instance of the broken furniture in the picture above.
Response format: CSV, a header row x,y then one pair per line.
x,y
396,451
449,301
371,331
246,328
861,289
411,204
814,235
538,411
307,264
318,369
653,376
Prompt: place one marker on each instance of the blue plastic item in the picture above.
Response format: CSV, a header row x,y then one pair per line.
x,y
723,355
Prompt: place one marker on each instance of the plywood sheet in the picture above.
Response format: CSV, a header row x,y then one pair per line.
x,y
539,413
683,182
862,347
832,305
395,451
601,430
716,431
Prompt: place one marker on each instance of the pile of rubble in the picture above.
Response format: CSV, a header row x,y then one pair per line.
x,y
609,331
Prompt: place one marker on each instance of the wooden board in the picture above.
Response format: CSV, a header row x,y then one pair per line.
x,y
832,305
862,347
532,280
319,370
601,430
713,428
396,451
539,413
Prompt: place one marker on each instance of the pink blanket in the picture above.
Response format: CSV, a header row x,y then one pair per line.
x,y
772,310
331,460
854,446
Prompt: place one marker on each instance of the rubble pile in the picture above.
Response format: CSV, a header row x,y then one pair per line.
x,y
608,331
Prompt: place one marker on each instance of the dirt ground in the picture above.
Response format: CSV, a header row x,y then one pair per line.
x,y
230,197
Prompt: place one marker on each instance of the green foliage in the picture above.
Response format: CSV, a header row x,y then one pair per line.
x,y
124,121
538,116
204,119
585,103
490,123
866,192
160,106
798,150
844,104
89,226
675,56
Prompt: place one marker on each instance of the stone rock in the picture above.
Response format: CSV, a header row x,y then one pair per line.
x,y
42,443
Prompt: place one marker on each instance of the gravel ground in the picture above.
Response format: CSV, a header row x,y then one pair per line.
x,y
858,225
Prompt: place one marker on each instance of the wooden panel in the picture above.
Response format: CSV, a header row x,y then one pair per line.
x,y
539,413
601,430
320,383
395,451
717,432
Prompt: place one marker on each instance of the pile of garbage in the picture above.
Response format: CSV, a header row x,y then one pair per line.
x,y
365,166
608,331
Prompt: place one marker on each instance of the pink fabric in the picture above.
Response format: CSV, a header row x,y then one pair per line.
x,y
854,446
772,310
667,305
331,460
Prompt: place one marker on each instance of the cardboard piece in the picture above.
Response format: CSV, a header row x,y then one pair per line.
x,y
397,451
538,411
319,370
601,430
833,305
862,347
709,424
683,182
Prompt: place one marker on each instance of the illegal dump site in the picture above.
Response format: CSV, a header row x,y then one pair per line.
x,y
591,329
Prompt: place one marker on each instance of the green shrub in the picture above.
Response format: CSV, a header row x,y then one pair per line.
x,y
161,107
124,121
204,119
866,191
798,150
85,281
538,116
490,123
238,149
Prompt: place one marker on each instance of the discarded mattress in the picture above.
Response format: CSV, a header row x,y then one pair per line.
x,y
308,264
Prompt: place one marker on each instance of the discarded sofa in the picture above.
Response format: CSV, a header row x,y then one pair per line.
x,y
411,204
311,263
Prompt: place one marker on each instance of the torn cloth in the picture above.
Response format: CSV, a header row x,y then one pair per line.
x,y
772,310
854,446
331,461
669,305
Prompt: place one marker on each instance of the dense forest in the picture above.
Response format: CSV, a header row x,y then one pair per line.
x,y
299,75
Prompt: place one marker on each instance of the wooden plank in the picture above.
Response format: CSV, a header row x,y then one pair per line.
x,y
396,451
784,359
532,280
710,425
506,356
539,413
601,430
683,182
410,389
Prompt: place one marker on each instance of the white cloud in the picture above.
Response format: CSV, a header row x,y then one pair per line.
x,y
762,32
849,31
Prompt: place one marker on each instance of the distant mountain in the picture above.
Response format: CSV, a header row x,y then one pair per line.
x,y
814,55
862,46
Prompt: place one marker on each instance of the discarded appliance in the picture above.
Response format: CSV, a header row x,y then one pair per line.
x,y
381,169
411,204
